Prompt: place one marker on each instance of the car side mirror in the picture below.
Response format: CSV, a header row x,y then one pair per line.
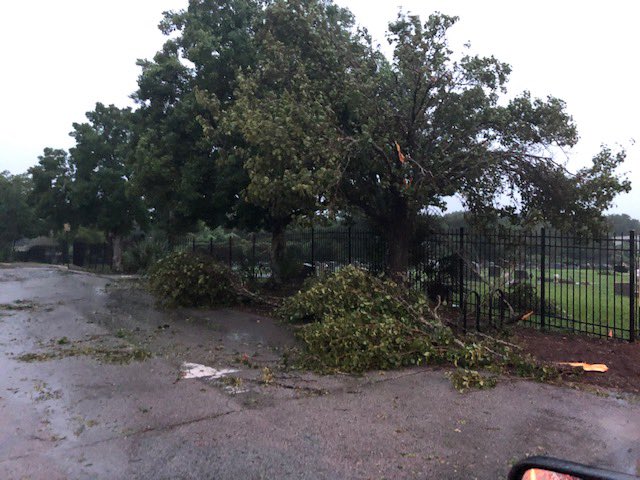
x,y
547,468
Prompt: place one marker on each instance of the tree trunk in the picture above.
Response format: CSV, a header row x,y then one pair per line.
x,y
116,243
278,249
398,241
399,233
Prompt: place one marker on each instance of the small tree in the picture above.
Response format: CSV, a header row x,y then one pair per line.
x,y
16,215
50,195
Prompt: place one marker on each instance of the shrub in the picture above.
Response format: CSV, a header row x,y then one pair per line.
x,y
523,297
192,280
140,256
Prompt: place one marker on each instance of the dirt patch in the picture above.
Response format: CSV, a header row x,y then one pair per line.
x,y
18,305
62,348
622,358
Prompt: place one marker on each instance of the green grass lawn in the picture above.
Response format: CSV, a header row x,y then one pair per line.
x,y
588,304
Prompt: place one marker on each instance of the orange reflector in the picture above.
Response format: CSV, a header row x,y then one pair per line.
x,y
539,474
587,367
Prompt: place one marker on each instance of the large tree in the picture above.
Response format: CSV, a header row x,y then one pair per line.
x,y
101,192
286,112
176,167
286,106
426,126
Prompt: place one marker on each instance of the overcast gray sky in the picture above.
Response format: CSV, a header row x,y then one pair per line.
x,y
62,56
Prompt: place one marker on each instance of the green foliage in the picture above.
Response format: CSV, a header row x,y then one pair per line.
x,y
100,193
357,341
527,367
50,196
16,216
286,105
523,297
456,136
176,168
361,322
192,280
284,113
464,379
140,256
89,235
349,290
354,322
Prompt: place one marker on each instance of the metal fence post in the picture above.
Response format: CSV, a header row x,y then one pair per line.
x,y
193,244
632,285
230,252
543,300
313,244
211,246
349,244
461,266
253,254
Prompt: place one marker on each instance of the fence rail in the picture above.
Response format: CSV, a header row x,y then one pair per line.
x,y
545,279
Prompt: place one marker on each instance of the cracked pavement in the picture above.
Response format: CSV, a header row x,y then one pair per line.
x,y
78,416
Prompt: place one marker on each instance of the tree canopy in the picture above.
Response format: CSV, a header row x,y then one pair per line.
x,y
51,189
175,166
100,162
90,185
427,126
262,113
285,112
16,215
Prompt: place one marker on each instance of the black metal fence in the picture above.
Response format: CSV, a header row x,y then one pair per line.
x,y
549,280
94,256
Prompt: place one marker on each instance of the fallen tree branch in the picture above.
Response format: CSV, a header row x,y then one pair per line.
x,y
243,291
497,340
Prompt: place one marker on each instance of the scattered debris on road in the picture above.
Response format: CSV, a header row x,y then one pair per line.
x,y
587,367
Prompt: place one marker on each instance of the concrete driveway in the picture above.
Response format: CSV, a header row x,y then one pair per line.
x,y
85,402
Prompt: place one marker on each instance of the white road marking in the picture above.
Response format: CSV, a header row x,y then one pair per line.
x,y
195,370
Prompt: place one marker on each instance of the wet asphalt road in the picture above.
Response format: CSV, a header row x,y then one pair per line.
x,y
77,416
